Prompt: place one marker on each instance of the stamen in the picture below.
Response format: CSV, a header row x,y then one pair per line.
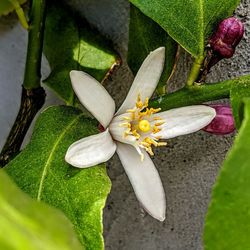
x,y
131,110
125,124
137,122
159,123
126,118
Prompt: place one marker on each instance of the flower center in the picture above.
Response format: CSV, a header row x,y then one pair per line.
x,y
144,125
141,123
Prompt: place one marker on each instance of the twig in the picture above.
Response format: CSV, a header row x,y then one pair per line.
x,y
33,95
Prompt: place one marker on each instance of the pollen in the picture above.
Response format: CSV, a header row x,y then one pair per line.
x,y
144,125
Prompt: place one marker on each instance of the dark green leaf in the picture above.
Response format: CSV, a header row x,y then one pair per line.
x,y
26,224
189,22
145,36
6,6
239,90
40,170
228,219
71,44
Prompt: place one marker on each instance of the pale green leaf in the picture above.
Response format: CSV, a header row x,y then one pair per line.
x,y
228,220
41,171
189,22
145,36
26,224
71,44
7,6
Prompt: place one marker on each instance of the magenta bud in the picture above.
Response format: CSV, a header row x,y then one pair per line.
x,y
223,123
228,35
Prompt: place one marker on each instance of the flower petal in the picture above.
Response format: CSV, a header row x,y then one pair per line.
x,y
145,180
93,96
146,79
91,150
185,120
117,131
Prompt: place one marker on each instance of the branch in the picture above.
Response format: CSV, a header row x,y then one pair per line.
x,y
33,95
196,94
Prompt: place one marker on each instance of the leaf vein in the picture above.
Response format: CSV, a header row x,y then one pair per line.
x,y
48,162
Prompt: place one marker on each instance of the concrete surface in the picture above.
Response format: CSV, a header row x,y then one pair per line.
x,y
188,166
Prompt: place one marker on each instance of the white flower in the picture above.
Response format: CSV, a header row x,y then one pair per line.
x,y
133,130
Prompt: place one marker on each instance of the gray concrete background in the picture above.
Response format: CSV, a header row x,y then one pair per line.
x,y
188,165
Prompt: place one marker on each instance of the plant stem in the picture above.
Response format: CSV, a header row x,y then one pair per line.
x,y
32,75
195,71
20,13
196,94
31,102
33,95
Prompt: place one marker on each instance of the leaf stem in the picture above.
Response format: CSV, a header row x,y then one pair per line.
x,y
195,94
33,95
20,13
195,71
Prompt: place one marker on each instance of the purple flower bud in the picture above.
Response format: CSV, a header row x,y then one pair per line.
x,y
228,35
223,123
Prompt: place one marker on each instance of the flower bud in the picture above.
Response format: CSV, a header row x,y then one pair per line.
x,y
223,123
228,35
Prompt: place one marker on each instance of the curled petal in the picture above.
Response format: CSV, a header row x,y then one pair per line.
x,y
185,120
146,79
91,150
93,96
145,180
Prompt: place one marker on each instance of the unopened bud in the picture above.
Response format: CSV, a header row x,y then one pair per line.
x,y
223,123
228,35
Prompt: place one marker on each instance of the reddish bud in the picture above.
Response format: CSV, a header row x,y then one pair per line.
x,y
228,35
223,123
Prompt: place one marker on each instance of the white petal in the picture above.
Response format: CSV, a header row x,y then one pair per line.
x,y
118,131
145,180
146,79
93,96
91,150
185,120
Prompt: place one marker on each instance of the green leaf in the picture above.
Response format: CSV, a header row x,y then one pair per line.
x,y
71,44
228,218
7,6
239,90
28,224
189,22
145,36
41,171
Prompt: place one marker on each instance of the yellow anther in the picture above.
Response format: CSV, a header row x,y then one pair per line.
x,y
156,118
159,123
135,134
125,124
131,110
153,111
144,125
156,129
139,103
150,151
